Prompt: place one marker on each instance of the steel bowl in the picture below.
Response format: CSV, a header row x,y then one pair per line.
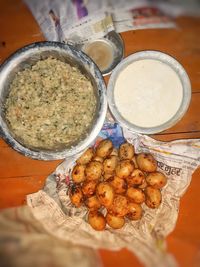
x,y
172,63
27,56
114,41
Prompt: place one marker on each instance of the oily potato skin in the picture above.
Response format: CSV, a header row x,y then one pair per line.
x,y
105,194
119,206
156,179
86,157
135,178
146,162
135,195
104,148
110,164
114,221
126,151
97,220
76,195
93,170
78,173
134,211
89,188
93,203
153,197
124,168
118,184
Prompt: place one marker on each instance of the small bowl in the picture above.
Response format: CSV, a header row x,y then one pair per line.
x,y
26,57
109,48
117,110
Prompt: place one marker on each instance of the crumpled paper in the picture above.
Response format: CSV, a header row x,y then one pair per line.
x,y
146,238
24,242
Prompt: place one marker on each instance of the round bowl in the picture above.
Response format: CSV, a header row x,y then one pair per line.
x,y
109,48
27,56
163,59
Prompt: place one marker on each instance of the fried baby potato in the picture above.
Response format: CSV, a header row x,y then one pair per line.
x,y
119,206
124,168
89,188
76,195
153,197
135,195
93,203
135,211
97,220
119,184
86,157
110,164
146,162
135,178
104,148
93,170
78,174
114,221
105,194
156,180
126,151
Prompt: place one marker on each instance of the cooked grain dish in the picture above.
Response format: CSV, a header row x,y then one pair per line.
x,y
50,104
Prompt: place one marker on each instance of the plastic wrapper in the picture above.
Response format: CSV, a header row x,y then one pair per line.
x,y
146,237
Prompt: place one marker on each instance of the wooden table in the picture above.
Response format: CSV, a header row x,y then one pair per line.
x,y
20,176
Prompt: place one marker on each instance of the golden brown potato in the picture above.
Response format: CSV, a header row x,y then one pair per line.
x,y
93,170
78,173
86,157
119,206
110,164
134,211
97,220
135,178
104,148
124,168
146,162
89,187
76,195
93,203
114,221
126,151
118,184
99,159
135,195
105,194
156,180
153,197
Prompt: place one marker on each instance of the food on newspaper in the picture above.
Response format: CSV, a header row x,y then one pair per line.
x,y
50,98
114,184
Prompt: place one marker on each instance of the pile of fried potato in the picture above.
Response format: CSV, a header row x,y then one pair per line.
x,y
113,183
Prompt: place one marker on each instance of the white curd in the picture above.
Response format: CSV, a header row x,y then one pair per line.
x,y
148,93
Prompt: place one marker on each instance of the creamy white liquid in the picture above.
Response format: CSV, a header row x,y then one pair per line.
x,y
148,93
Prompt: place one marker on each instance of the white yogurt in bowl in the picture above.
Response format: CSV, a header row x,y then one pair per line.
x,y
149,92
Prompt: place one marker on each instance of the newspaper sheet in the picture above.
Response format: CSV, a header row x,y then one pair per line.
x,y
146,237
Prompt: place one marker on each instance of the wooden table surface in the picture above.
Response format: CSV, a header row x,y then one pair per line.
x,y
20,176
